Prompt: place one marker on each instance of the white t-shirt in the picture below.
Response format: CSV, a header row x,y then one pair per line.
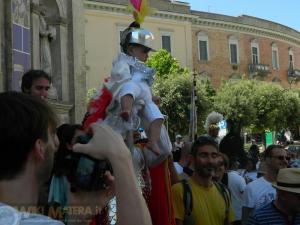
x,y
11,216
250,176
236,185
258,193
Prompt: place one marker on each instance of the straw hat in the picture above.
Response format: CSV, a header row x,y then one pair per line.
x,y
288,180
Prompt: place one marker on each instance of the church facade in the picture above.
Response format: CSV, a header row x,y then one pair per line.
x,y
48,35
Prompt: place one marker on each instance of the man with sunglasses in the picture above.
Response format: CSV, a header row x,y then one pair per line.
x,y
286,208
260,192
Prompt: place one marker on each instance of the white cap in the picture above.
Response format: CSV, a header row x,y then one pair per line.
x,y
178,136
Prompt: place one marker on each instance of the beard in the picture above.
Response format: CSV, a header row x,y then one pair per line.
x,y
205,171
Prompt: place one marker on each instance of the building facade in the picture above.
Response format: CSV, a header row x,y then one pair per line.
x,y
48,35
232,47
217,47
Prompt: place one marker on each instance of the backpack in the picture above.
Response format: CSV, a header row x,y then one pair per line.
x,y
188,202
225,192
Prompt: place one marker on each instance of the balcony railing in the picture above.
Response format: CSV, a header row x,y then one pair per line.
x,y
294,73
259,69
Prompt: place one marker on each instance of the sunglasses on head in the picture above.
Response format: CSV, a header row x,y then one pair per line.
x,y
281,157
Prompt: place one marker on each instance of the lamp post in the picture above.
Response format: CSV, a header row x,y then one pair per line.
x,y
291,80
193,110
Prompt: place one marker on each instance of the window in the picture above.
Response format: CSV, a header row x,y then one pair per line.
x,y
166,39
203,47
203,50
233,50
120,29
254,55
255,52
275,62
166,42
291,59
233,54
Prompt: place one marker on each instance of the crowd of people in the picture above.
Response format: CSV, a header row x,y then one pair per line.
x,y
68,173
255,190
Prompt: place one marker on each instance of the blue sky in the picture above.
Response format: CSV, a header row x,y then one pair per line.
x,y
283,12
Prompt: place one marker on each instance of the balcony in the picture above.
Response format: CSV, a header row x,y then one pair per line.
x,y
293,75
260,70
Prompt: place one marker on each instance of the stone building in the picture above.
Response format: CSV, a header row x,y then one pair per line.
x,y
217,47
48,35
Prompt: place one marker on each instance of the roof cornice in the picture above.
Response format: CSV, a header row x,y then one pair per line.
x,y
247,29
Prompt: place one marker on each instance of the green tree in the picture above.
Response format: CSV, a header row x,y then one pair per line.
x,y
235,100
165,64
174,85
258,105
270,104
175,91
291,109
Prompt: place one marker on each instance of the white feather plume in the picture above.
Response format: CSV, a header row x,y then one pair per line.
x,y
212,118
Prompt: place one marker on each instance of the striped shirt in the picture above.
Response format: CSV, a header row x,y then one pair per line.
x,y
270,215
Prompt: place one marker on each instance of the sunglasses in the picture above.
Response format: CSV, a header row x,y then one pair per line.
x,y
281,157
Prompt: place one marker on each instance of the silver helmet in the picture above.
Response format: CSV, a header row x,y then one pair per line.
x,y
138,36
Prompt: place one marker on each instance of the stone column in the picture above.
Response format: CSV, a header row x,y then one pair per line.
x,y
35,35
7,38
77,72
59,51
62,110
2,81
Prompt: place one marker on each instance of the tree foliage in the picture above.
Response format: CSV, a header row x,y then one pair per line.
x,y
175,91
165,64
269,104
235,100
291,109
250,104
174,85
258,105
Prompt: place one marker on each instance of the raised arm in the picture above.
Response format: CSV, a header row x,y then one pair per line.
x,y
108,144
